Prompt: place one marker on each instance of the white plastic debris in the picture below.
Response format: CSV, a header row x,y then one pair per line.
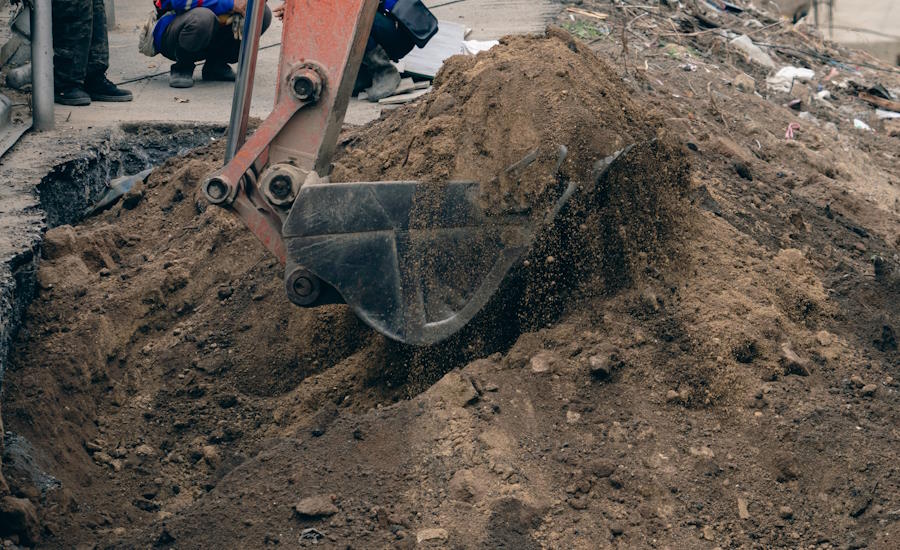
x,y
754,52
785,77
860,125
882,114
473,47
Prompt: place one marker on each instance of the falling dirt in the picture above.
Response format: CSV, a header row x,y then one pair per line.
x,y
655,374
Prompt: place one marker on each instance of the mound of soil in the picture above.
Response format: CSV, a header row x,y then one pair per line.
x,y
499,119
654,375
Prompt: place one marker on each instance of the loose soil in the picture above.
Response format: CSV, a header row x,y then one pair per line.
x,y
689,358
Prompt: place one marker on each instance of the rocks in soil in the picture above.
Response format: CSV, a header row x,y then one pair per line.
x,y
868,390
785,512
315,507
603,364
456,389
543,362
744,83
793,363
435,534
211,455
743,170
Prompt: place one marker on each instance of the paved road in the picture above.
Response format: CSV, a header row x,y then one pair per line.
x,y
210,102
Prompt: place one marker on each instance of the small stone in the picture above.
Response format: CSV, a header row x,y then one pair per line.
x,y
868,390
228,400
211,455
785,512
708,533
601,468
579,502
105,272
857,381
225,292
743,171
743,511
456,389
616,529
744,83
572,417
824,338
702,452
434,534
650,301
672,396
542,363
860,246
320,506
144,450
601,366
792,363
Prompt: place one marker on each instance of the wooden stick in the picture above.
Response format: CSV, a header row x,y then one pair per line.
x,y
586,13
882,103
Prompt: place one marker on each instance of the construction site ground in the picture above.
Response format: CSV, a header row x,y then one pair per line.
x,y
700,353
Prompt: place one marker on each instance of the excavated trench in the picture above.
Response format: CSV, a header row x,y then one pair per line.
x,y
160,331
67,194
160,351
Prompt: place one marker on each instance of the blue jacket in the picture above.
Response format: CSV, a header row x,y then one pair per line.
x,y
171,8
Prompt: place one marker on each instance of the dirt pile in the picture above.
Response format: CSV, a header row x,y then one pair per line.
x,y
526,120
723,375
499,119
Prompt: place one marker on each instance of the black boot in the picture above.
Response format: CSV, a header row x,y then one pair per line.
x,y
181,75
385,77
73,96
216,71
101,89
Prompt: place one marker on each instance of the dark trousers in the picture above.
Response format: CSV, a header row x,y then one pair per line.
x,y
80,44
197,35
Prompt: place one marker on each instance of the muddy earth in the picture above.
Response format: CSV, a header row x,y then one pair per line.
x,y
701,352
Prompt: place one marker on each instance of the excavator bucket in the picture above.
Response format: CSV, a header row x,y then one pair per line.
x,y
415,261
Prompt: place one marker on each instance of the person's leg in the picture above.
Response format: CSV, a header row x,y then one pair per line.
x,y
95,82
98,54
72,30
186,41
225,49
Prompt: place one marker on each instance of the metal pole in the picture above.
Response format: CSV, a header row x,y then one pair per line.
x,y
243,91
42,65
